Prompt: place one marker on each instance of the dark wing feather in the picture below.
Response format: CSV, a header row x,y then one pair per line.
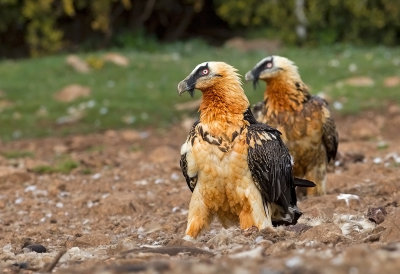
x,y
271,168
191,181
330,138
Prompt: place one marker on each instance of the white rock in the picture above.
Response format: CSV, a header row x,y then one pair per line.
x,y
141,182
59,205
377,160
347,197
96,176
394,156
76,254
30,188
294,262
175,176
259,239
248,254
350,223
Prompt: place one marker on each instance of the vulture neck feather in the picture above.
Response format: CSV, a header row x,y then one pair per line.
x,y
222,109
285,94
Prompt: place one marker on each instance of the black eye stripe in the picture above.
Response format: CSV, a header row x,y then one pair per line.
x,y
199,71
268,63
191,82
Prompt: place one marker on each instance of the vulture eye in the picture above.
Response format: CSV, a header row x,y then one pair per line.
x,y
268,64
204,72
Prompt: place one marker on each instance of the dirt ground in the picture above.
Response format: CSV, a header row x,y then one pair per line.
x,y
129,213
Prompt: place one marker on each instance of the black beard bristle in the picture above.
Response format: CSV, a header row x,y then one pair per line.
x,y
191,92
255,83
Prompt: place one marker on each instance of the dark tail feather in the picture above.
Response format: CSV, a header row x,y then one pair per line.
x,y
291,217
303,182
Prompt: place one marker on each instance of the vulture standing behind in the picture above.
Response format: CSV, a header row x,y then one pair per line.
x,y
305,121
237,169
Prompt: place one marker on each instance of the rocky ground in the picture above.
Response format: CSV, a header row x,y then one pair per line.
x,y
124,209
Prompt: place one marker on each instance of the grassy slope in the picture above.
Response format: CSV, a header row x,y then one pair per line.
x,y
145,92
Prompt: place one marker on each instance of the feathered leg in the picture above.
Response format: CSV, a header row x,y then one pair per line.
x,y
253,212
317,175
198,216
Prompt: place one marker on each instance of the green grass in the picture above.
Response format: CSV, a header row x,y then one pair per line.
x,y
65,166
144,93
15,154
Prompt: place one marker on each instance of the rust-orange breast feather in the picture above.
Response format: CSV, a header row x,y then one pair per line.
x,y
309,120
267,158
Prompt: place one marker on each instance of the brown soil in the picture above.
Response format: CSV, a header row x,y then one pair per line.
x,y
129,214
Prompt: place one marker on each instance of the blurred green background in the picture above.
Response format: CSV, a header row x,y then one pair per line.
x,y
134,53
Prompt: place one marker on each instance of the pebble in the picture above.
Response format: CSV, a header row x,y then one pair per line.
x,y
96,176
59,205
294,262
38,248
347,197
259,239
22,265
376,215
175,176
377,160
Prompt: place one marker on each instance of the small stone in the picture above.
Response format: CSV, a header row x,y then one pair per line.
x,y
391,246
38,248
360,81
77,64
72,92
96,176
294,262
351,200
392,81
22,265
117,59
59,205
377,160
376,215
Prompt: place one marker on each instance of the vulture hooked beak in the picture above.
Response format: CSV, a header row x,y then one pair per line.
x,y
183,86
252,76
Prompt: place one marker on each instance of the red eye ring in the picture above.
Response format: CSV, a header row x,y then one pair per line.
x,y
204,71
